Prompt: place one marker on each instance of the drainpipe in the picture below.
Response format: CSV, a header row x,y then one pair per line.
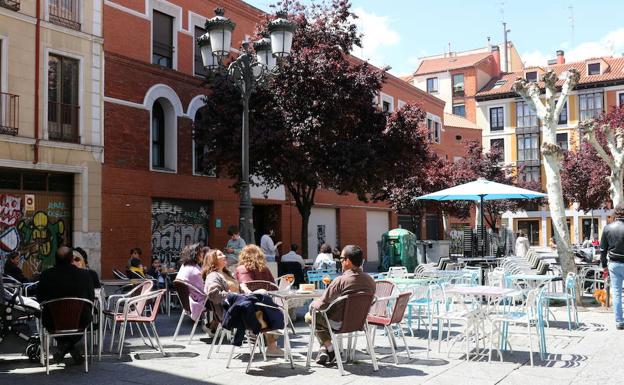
x,y
37,62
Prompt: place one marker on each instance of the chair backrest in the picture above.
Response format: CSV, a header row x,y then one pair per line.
x,y
119,275
397,272
285,281
355,308
153,297
182,289
294,268
66,314
570,282
261,285
383,289
398,309
142,289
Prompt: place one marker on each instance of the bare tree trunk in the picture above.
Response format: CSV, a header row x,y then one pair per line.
x,y
617,186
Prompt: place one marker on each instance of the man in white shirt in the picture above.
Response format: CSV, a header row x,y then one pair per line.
x,y
292,256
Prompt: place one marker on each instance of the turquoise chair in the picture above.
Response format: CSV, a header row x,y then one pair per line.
x,y
569,296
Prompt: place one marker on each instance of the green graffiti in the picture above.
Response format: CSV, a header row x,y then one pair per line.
x,y
41,238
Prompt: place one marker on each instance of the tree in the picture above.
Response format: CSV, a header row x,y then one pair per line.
x,y
584,178
314,124
606,135
547,111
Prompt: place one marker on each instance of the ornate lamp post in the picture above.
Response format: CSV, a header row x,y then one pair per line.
x,y
247,71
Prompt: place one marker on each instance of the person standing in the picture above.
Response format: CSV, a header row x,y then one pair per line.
x,y
234,245
612,246
66,280
522,245
268,247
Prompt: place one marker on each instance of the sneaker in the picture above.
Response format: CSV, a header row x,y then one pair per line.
x,y
207,330
326,358
620,326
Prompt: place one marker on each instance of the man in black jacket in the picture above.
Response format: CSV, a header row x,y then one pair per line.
x,y
612,245
12,269
66,280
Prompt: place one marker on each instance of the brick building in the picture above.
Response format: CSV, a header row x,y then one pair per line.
x,y
153,197
508,123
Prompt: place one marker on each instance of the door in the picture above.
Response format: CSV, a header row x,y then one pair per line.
x,y
531,229
377,223
321,229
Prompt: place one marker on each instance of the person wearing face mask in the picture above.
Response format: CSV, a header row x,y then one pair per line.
x,y
234,245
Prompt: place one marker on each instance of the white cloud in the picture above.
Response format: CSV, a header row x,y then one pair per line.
x,y
377,34
612,44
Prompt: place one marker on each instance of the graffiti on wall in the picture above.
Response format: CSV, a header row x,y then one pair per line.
x,y
41,237
10,209
178,223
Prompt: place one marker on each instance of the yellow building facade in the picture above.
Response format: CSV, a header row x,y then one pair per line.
x,y
51,128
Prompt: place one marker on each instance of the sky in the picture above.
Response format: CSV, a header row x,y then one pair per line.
x,y
399,32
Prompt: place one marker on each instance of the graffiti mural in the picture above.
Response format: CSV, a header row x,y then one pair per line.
x,y
178,223
10,209
41,237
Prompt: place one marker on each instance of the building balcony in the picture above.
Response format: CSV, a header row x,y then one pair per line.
x,y
13,5
9,113
63,122
65,13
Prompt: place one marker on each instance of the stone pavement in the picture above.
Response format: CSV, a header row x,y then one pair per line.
x,y
590,354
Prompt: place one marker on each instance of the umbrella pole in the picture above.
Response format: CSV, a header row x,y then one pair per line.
x,y
482,228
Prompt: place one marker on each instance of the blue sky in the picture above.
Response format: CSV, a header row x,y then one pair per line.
x,y
398,32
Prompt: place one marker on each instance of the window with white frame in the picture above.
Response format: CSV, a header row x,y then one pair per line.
x,y
562,140
621,99
531,76
200,70
528,147
387,103
563,116
498,144
163,136
63,100
497,119
434,126
432,85
593,69
162,39
590,105
200,165
525,116
459,109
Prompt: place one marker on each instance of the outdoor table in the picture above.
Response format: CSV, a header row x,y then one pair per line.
x,y
286,296
533,280
492,294
411,281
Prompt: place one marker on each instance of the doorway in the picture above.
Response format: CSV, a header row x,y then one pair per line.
x,y
266,217
531,228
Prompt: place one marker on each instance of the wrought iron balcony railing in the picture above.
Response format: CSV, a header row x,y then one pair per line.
x,y
9,113
65,13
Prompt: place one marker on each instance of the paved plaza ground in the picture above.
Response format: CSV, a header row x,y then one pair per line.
x,y
590,354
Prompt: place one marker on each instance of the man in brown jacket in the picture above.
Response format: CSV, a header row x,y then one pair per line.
x,y
353,280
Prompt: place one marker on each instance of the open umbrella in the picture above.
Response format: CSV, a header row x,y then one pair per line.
x,y
482,190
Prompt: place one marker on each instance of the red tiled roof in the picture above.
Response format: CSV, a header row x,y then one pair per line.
x,y
615,71
428,66
452,120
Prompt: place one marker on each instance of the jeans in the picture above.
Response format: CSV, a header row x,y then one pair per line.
x,y
616,273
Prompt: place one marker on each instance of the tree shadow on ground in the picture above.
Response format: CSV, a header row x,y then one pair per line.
x,y
522,358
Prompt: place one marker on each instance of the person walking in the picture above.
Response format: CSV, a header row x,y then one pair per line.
x,y
612,246
522,245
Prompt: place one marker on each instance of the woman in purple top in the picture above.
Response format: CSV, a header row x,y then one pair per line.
x,y
191,273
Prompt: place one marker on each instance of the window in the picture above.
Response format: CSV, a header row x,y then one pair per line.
x,y
621,99
10,4
498,144
200,70
162,45
497,120
432,85
562,141
64,12
458,85
530,173
590,105
525,116
459,109
532,229
158,136
531,76
563,116
593,69
385,106
434,130
63,106
528,147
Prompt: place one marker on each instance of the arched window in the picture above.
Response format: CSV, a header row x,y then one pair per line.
x,y
158,136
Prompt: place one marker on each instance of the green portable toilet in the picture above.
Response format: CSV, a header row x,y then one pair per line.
x,y
398,248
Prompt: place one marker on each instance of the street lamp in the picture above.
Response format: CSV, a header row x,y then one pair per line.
x,y
247,71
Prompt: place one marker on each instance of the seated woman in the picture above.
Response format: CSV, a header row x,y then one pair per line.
x,y
219,280
190,272
325,259
252,266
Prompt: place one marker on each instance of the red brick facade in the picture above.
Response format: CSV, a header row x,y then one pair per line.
x,y
129,186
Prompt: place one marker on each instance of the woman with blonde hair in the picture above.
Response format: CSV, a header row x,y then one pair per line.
x,y
252,265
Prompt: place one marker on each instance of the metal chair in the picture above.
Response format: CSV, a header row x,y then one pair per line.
x,y
352,319
397,272
119,275
388,319
569,296
135,311
285,282
67,317
184,289
260,285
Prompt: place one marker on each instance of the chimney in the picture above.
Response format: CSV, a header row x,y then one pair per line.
x,y
560,57
497,59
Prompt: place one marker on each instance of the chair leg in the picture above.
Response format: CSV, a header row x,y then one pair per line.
x,y
162,351
391,340
311,343
491,341
86,352
221,340
46,338
122,336
405,342
337,352
193,331
253,350
371,349
530,342
112,335
230,357
175,334
569,314
214,339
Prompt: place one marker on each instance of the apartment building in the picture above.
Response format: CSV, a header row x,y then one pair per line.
x,y
51,139
509,124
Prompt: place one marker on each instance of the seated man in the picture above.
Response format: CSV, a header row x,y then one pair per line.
x,y
353,280
292,256
12,269
66,280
